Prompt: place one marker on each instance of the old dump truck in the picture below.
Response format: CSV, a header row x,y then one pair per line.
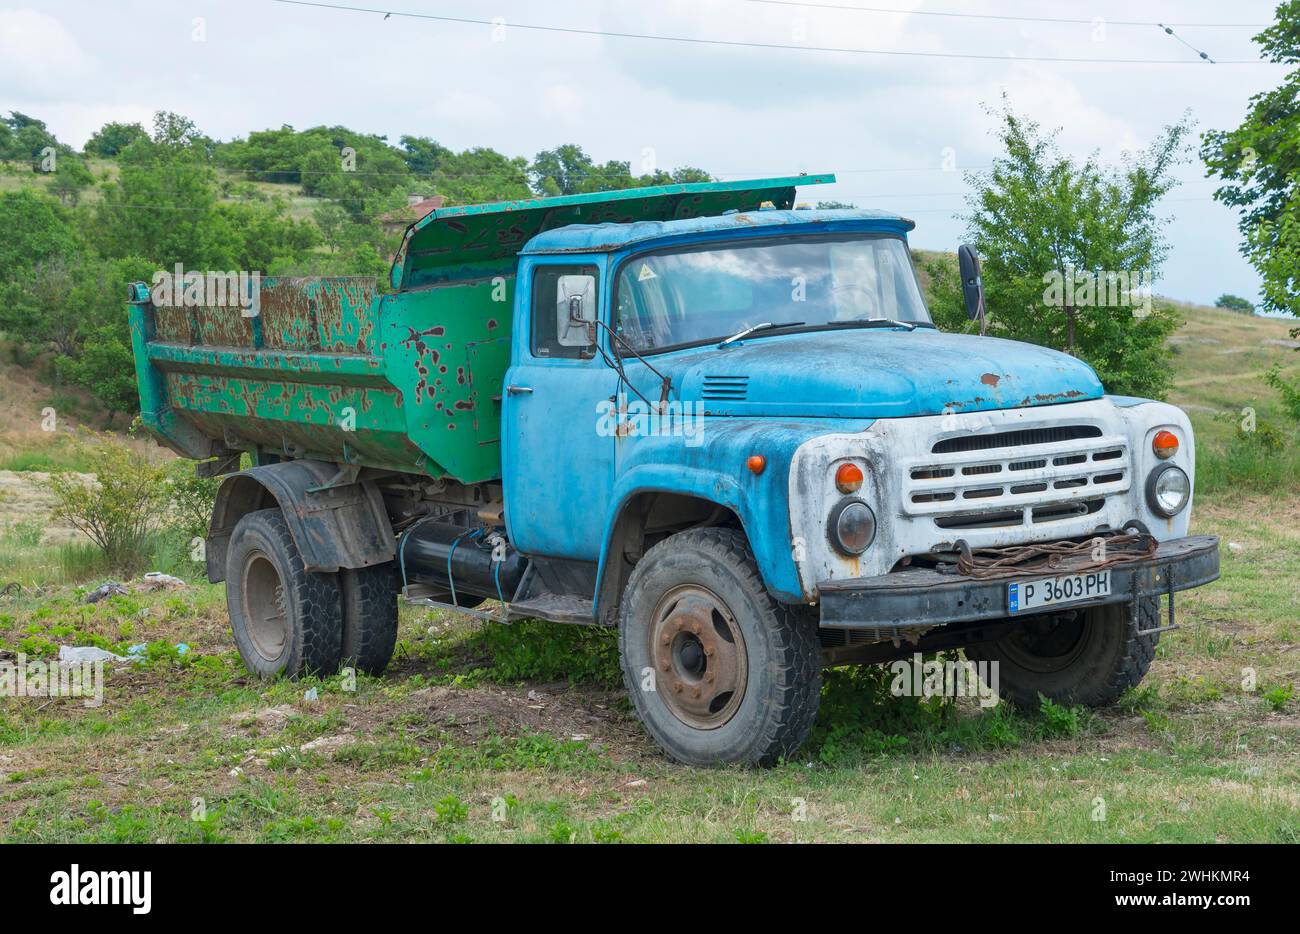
x,y
723,425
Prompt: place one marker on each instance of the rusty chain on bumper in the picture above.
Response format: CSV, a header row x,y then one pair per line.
x,y
1042,557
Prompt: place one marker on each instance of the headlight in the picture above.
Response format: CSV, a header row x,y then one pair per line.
x,y
852,526
1168,490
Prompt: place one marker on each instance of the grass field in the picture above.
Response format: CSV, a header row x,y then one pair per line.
x,y
492,734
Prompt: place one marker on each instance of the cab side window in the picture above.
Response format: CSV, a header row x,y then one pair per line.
x,y
555,289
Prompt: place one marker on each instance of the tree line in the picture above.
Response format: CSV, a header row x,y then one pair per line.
x,y
172,194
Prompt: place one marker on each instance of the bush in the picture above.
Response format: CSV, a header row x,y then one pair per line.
x,y
1262,459
1234,303
123,505
192,497
1289,391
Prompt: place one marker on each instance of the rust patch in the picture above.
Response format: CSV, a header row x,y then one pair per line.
x,y
1043,398
990,379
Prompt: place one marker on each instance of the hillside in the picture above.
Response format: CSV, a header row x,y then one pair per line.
x,y
1219,359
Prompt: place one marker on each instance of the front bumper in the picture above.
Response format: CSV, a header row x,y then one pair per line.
x,y
906,603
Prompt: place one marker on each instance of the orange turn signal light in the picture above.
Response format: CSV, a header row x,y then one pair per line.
x,y
1165,444
757,463
848,478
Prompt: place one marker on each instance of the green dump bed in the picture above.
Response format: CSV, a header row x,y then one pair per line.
x,y
330,369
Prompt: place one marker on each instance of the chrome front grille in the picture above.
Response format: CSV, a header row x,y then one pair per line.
x,y
1016,478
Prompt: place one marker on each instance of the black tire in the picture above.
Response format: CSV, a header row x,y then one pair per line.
x,y
285,619
1087,657
369,617
701,591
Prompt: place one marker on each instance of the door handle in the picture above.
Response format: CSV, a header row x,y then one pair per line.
x,y
518,390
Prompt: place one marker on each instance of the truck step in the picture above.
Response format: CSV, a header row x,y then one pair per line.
x,y
559,608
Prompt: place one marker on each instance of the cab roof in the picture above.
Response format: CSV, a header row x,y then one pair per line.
x,y
605,238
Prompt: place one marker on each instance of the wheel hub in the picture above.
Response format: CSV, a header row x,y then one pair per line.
x,y
699,655
264,606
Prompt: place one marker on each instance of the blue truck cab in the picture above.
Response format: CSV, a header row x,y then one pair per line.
x,y
731,430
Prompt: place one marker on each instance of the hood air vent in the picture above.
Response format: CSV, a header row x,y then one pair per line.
x,y
725,388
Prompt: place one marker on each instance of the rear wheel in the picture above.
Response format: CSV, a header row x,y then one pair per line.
x,y
718,671
1088,656
285,619
369,616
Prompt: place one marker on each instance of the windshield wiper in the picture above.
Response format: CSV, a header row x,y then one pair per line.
x,y
765,326
877,323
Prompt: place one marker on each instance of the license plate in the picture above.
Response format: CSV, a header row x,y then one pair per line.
x,y
1050,591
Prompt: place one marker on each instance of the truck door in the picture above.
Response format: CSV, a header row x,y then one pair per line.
x,y
558,462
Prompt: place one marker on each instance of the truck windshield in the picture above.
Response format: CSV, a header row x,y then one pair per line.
x,y
680,297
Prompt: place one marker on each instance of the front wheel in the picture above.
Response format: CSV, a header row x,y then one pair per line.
x,y
1088,656
718,671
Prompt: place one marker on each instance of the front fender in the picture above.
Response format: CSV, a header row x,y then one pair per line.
x,y
715,470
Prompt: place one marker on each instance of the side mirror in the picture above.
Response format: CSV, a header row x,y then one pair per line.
x,y
972,285
575,311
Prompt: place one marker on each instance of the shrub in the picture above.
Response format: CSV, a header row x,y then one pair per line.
x,y
120,508
1289,391
192,497
1234,303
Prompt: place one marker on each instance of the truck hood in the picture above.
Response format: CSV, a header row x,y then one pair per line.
x,y
872,374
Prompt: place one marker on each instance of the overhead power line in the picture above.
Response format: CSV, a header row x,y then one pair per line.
x,y
1168,31
736,43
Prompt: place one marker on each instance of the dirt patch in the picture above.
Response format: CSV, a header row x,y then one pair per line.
x,y
23,498
564,712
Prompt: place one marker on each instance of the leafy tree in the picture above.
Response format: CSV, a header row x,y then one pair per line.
x,y
27,140
834,205
110,139
1043,223
94,336
332,221
165,205
1258,162
568,170
36,227
357,170
164,200
71,177
1234,303
481,175
424,156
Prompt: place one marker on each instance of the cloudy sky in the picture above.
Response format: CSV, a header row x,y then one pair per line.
x,y
890,125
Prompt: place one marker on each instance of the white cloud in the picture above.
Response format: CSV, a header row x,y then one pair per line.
x,y
39,58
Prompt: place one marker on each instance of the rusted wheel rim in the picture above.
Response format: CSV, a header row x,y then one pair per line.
x,y
699,657
262,596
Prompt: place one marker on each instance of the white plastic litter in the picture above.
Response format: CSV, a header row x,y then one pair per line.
x,y
89,653
157,580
